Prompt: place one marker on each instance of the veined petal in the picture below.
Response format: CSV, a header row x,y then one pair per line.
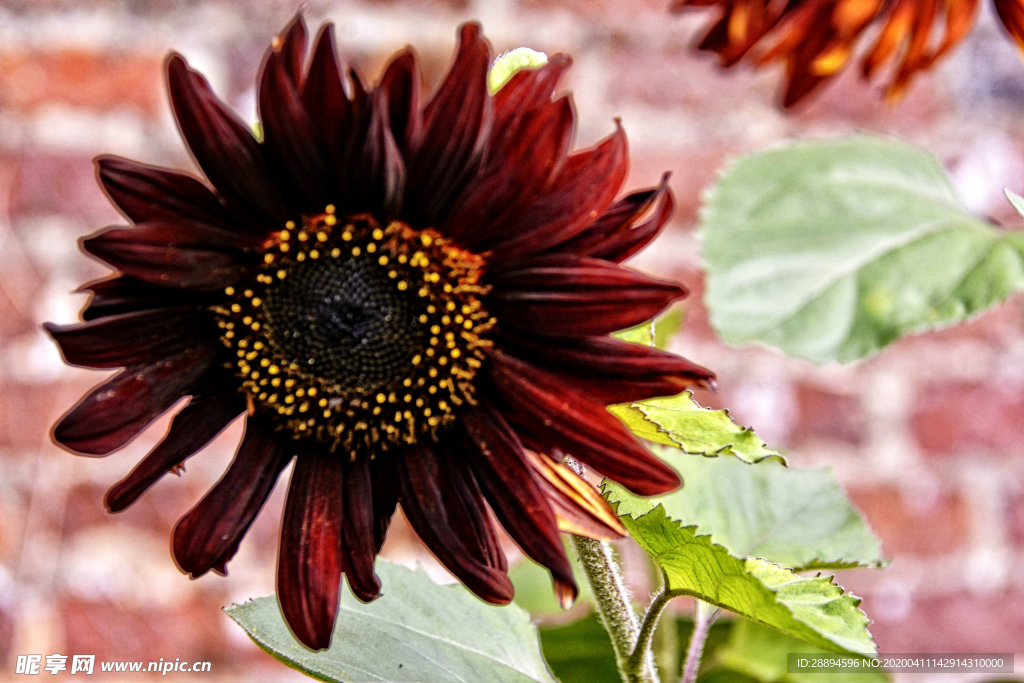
x,y
198,423
310,557
446,510
289,141
126,294
401,84
149,193
584,188
455,126
120,409
132,338
207,537
330,112
223,146
500,465
571,420
188,256
578,506
516,172
359,547
566,296
610,370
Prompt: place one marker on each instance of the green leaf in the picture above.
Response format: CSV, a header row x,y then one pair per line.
x,y
799,519
657,332
508,64
761,653
679,421
418,632
814,609
830,250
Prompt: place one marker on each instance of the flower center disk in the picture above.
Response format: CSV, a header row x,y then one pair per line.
x,y
358,335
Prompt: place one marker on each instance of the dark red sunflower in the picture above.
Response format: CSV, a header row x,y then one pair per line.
x,y
412,300
816,39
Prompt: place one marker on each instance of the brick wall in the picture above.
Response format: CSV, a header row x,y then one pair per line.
x,y
928,436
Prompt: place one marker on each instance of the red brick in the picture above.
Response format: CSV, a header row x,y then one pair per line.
x,y
1015,513
933,525
957,417
963,623
61,184
27,412
81,78
111,631
824,414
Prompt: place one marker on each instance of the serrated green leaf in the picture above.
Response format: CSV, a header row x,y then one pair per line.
x,y
830,250
679,421
814,609
417,632
509,63
761,653
657,332
800,519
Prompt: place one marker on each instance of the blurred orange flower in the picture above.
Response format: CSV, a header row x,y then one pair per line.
x,y
816,38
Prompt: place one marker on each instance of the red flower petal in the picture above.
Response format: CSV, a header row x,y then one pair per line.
x,y
565,296
502,470
455,126
525,91
585,187
359,547
579,507
570,419
309,561
118,410
612,236
288,138
330,111
131,338
125,294
191,430
186,255
207,537
445,508
385,500
515,173
223,146
611,370
374,174
291,46
401,83
148,193
1011,13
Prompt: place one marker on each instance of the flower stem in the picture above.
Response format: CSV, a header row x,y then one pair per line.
x,y
703,616
642,649
613,602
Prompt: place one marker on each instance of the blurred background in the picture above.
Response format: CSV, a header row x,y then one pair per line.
x,y
928,437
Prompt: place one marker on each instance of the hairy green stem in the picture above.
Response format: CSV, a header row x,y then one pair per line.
x,y
642,650
702,618
613,602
